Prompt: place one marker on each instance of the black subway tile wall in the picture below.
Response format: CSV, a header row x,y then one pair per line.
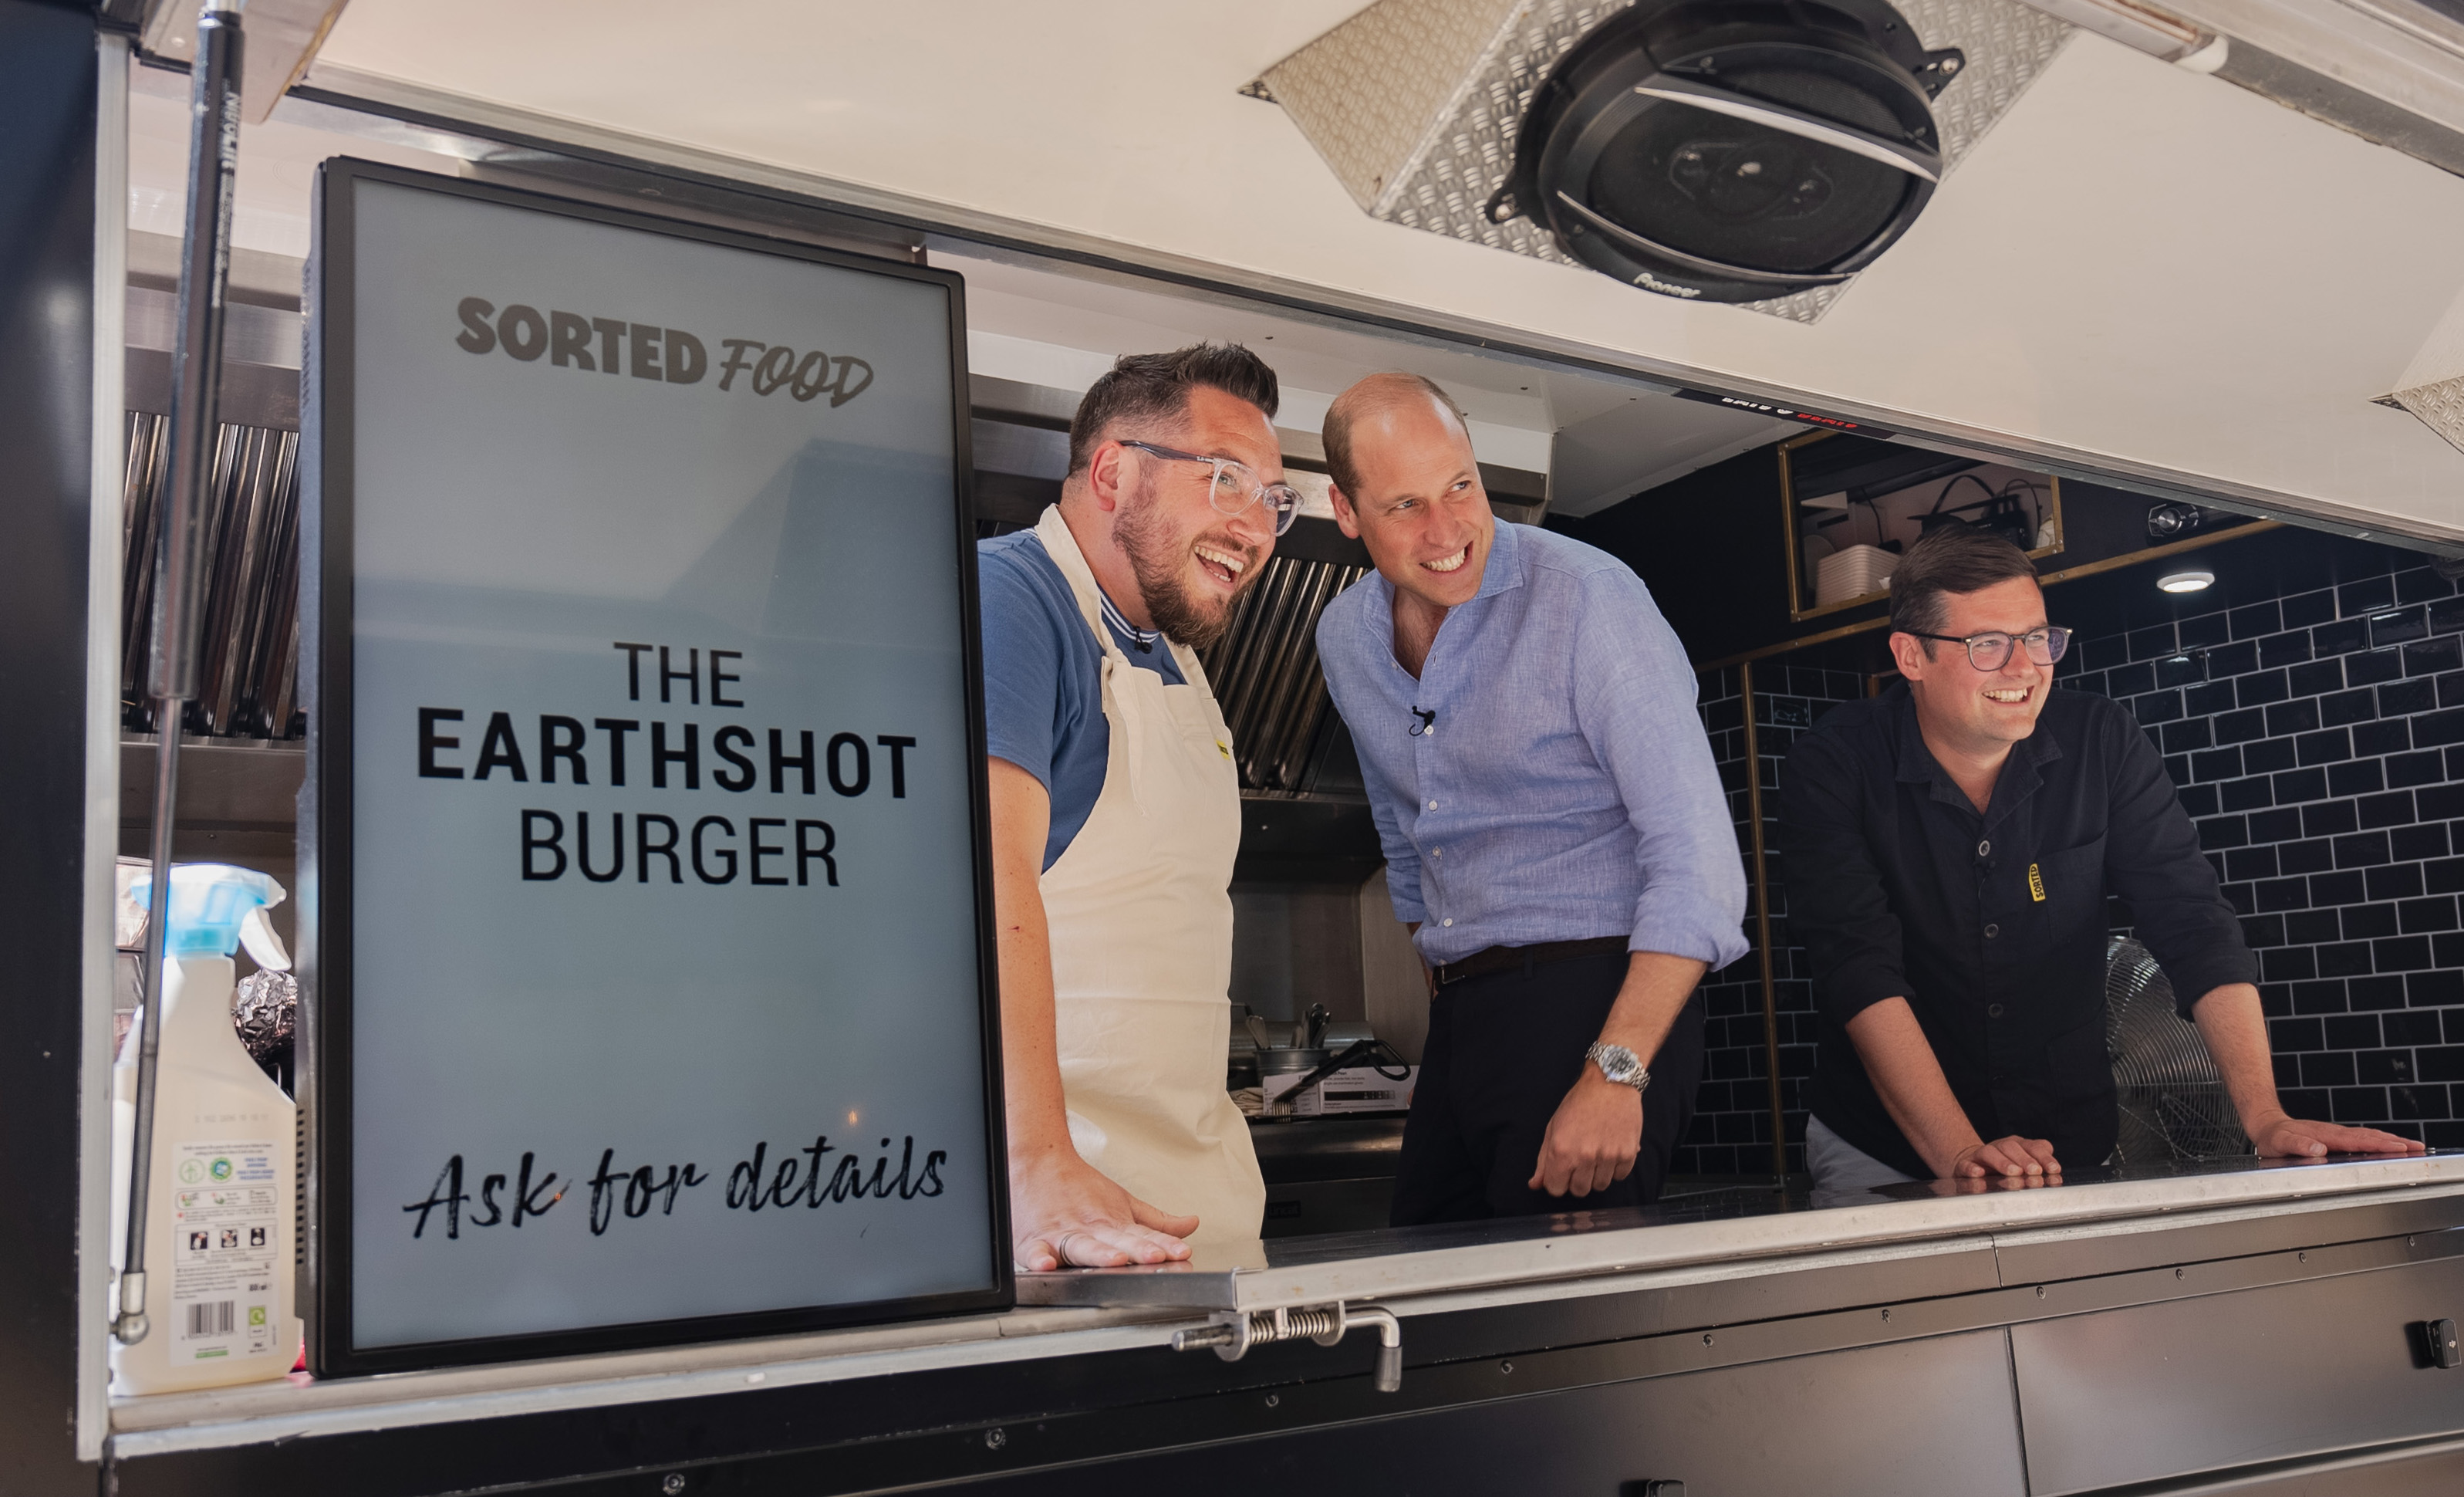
x,y
1731,1130
2318,742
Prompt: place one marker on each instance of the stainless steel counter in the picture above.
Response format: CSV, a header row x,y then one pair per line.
x,y
1733,1228
2110,1330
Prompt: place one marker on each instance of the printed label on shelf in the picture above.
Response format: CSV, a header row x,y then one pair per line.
x,y
1355,1088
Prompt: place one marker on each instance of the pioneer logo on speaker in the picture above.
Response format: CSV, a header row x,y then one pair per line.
x,y
1650,282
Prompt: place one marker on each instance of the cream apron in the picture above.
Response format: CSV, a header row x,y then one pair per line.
x,y
1141,918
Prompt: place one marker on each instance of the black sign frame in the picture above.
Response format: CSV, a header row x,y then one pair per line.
x,y
326,617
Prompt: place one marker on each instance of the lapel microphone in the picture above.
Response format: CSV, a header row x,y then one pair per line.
x,y
1428,720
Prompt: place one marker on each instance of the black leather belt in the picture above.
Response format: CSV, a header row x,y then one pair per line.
x,y
1506,959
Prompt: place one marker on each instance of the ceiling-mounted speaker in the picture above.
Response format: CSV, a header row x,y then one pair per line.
x,y
1749,151
1733,150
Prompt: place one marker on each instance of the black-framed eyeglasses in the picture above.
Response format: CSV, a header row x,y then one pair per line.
x,y
1992,651
1234,485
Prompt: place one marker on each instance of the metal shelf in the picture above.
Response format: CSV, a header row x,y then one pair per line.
x,y
226,784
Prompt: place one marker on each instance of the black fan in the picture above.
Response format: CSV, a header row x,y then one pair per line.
x,y
1733,150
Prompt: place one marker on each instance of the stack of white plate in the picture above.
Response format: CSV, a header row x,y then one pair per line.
x,y
1852,572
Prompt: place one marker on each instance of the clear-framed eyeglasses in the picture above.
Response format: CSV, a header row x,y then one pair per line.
x,y
1234,485
1992,651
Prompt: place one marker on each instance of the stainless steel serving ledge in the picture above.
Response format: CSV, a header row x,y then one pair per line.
x,y
1739,1230
1426,1270
299,1406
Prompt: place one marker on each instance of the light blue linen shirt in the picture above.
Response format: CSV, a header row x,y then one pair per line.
x,y
1565,790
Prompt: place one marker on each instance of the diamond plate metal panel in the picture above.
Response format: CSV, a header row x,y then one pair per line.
x,y
1415,103
2008,44
2440,405
1373,94
1470,153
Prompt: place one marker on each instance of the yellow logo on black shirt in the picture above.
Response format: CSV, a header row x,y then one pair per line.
x,y
2035,884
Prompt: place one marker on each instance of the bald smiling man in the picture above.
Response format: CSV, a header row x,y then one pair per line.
x,y
1554,825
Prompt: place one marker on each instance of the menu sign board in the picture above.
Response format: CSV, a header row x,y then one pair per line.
x,y
647,926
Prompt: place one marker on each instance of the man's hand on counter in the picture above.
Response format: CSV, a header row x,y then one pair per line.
x,y
2234,1024
1981,1184
1065,1214
2284,1138
2010,1158
1909,1079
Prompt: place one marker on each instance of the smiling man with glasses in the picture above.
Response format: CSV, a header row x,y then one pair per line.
x,y
1950,847
1116,812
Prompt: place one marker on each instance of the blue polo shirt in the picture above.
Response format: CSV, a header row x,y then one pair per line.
x,y
1044,687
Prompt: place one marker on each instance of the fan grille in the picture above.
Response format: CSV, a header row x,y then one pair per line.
x,y
2172,1099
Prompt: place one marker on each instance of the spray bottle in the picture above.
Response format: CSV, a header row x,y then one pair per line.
x,y
225,1158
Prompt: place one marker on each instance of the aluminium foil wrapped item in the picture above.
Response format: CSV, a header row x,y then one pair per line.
x,y
265,1011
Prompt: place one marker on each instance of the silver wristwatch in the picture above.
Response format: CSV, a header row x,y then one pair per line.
x,y
1619,1064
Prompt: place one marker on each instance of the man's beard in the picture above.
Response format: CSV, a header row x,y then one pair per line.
x,y
1157,561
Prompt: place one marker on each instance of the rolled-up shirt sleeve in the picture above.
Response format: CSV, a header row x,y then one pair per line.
x,y
1634,705
1837,907
2153,864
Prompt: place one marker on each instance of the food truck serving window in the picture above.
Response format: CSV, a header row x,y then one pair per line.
x,y
650,944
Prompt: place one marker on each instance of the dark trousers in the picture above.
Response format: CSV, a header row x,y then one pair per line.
x,y
1501,1052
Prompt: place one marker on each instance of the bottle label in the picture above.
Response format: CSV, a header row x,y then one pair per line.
x,y
226,1239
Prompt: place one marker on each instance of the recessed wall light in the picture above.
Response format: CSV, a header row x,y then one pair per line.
x,y
2185,581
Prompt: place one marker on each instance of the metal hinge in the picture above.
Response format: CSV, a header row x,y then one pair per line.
x,y
1233,1332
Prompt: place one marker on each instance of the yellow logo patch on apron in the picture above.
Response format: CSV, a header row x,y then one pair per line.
x,y
2035,884
1223,748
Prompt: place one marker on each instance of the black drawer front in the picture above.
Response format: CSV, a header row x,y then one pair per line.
x,y
1915,1418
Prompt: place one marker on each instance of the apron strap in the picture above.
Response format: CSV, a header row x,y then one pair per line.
x,y
1063,547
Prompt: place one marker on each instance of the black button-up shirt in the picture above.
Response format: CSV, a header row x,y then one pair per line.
x,y
1992,926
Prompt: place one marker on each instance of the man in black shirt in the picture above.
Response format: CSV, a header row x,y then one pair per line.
x,y
1951,846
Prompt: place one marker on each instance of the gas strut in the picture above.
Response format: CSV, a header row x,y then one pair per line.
x,y
171,672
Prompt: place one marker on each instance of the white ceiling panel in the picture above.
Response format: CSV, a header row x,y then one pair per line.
x,y
2141,270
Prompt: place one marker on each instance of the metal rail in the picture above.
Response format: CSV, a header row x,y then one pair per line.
x,y
196,372
1762,918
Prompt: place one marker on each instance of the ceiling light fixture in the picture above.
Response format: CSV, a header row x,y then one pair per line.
x,y
2185,581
